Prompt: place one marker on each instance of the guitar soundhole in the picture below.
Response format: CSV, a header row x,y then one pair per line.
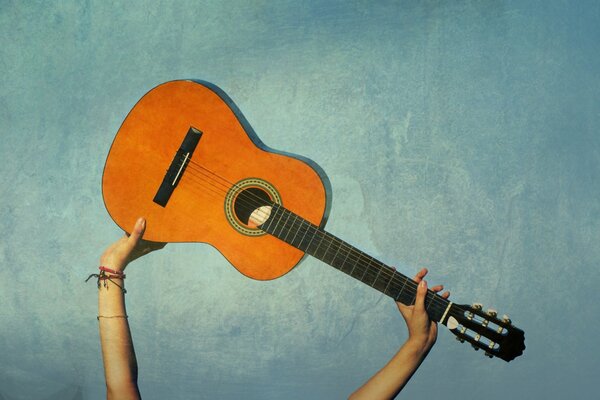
x,y
248,205
250,201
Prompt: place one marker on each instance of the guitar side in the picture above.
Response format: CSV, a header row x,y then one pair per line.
x,y
228,155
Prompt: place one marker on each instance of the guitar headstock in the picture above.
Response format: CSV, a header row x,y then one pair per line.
x,y
498,337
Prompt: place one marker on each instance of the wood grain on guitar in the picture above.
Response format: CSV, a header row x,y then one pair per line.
x,y
188,161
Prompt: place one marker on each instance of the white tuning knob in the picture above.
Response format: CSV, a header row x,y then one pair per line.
x,y
491,312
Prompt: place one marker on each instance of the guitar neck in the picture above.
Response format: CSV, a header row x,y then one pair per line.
x,y
305,236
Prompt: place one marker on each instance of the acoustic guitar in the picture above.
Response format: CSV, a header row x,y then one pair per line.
x,y
188,161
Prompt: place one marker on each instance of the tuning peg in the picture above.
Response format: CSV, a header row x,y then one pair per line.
x,y
477,306
490,355
485,323
460,339
475,347
492,313
506,319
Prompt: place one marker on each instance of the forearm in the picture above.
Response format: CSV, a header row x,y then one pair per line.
x,y
390,380
118,355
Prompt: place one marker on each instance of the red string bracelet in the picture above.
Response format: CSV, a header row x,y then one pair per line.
x,y
112,271
102,276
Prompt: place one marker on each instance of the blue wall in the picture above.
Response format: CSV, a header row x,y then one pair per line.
x,y
460,135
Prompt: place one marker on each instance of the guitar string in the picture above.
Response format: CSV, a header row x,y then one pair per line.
x,y
387,271
457,311
382,269
331,240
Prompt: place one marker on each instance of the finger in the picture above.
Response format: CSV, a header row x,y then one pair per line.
x,y
136,233
436,288
420,298
421,274
446,294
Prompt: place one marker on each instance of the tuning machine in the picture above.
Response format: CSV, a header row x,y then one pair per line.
x,y
505,319
477,306
492,313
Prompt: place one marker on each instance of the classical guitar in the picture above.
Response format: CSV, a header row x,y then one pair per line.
x,y
188,161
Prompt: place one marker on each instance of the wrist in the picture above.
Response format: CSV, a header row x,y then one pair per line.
x,y
420,345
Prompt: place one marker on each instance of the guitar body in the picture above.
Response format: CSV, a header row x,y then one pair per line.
x,y
228,166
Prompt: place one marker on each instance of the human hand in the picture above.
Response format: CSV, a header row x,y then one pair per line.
x,y
128,248
421,330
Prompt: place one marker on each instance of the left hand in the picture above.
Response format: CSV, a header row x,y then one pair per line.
x,y
421,330
128,248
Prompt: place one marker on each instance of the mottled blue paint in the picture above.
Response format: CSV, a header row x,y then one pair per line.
x,y
459,135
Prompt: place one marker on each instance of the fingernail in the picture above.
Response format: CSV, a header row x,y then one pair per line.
x,y
422,284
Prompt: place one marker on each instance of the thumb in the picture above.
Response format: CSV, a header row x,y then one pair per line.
x,y
136,233
420,298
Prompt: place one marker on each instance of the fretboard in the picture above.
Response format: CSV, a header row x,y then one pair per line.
x,y
305,236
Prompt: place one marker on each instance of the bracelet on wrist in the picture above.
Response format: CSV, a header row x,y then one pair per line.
x,y
112,316
103,276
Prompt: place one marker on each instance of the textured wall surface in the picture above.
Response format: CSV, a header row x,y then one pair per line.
x,y
459,135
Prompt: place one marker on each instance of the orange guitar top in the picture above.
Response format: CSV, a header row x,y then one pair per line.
x,y
226,172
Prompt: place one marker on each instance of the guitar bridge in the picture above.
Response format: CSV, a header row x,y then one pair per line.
x,y
177,167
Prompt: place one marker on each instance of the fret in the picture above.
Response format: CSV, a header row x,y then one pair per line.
x,y
312,235
298,235
370,275
322,235
395,289
379,268
405,297
307,237
276,219
267,225
290,228
281,226
384,277
367,268
337,264
391,278
400,293
330,242
360,268
428,300
341,268
315,242
336,244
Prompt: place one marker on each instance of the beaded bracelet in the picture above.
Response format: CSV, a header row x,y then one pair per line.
x,y
102,276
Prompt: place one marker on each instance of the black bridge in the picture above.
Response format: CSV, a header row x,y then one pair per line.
x,y
178,166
